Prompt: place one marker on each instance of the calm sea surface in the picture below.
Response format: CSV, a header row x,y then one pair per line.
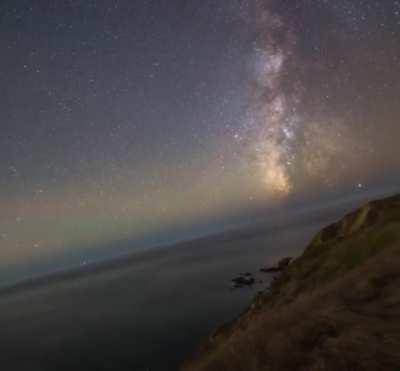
x,y
147,315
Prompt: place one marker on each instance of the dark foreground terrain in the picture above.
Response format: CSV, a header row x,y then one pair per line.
x,y
337,307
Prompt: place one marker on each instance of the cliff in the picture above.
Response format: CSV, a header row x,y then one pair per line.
x,y
337,307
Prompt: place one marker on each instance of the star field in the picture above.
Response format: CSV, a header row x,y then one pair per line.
x,y
154,121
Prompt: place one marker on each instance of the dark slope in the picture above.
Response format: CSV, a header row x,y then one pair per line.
x,y
337,307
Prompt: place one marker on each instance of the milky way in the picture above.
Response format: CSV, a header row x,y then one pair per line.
x,y
295,144
128,124
274,111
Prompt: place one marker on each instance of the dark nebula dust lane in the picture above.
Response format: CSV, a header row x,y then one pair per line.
x,y
154,121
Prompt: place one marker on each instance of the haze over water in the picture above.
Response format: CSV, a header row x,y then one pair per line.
x,y
149,314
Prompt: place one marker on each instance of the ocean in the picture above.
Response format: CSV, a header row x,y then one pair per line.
x,y
148,314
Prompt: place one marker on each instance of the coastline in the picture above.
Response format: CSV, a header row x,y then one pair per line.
x,y
317,309
149,313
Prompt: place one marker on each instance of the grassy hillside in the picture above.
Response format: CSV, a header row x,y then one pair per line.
x,y
337,307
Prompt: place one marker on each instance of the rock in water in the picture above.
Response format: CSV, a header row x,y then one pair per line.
x,y
246,279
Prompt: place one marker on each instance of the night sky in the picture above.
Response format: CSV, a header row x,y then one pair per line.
x,y
154,121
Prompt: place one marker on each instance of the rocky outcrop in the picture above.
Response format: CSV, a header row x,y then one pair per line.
x,y
370,214
245,279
